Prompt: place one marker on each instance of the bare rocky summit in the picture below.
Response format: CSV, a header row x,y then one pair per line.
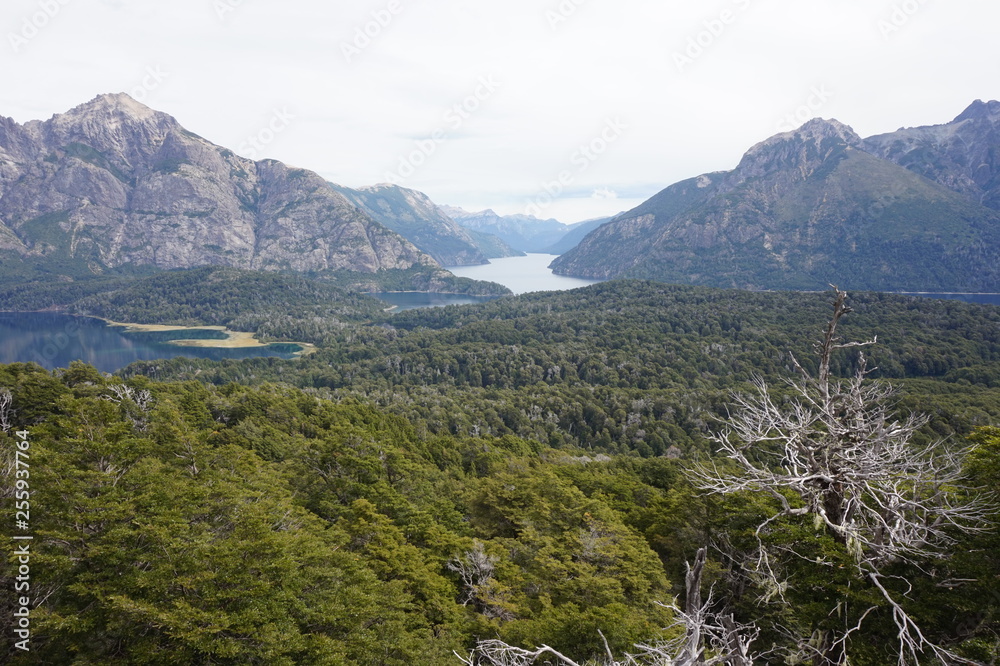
x,y
963,155
113,183
912,211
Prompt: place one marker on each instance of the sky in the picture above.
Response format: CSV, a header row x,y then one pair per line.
x,y
569,109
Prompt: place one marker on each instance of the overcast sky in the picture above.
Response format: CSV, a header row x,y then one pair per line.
x,y
570,109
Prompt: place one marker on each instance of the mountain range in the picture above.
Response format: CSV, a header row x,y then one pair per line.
x,y
525,233
418,219
115,185
913,210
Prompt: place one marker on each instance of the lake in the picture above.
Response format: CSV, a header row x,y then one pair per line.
x,y
413,300
522,274
54,340
519,274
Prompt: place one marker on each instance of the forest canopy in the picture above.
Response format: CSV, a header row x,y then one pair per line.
x,y
521,471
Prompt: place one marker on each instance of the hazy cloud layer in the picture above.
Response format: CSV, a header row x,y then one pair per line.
x,y
505,105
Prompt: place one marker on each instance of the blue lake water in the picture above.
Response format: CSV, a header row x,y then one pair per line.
x,y
531,273
522,274
55,340
412,300
519,274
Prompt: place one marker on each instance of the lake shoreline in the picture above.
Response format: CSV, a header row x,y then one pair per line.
x,y
233,339
55,340
521,275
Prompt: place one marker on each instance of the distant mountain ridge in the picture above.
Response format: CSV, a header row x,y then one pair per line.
x,y
525,233
821,205
113,183
493,247
575,235
963,155
415,217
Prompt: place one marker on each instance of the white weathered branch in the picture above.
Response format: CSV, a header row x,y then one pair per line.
x,y
143,400
707,638
835,451
6,409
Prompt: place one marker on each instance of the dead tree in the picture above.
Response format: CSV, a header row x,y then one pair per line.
x,y
835,452
476,568
707,638
6,409
127,397
710,637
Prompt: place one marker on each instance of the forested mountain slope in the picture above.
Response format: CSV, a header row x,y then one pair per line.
x,y
414,216
540,488
819,206
628,366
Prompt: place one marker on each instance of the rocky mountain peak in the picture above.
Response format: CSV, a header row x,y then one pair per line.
x,y
822,128
814,131
116,111
118,126
980,110
819,205
800,151
412,197
115,104
114,183
961,155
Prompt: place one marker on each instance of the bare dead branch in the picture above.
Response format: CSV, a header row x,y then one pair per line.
x,y
836,452
123,394
708,638
6,409
476,568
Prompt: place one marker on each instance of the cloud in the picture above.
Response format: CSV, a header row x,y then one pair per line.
x,y
758,64
604,193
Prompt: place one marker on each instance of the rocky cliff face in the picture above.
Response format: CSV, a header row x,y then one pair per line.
x,y
414,216
113,183
802,210
963,155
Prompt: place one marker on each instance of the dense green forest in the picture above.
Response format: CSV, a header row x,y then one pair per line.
x,y
523,470
275,306
628,367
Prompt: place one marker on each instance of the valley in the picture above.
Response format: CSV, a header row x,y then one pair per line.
x,y
399,432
